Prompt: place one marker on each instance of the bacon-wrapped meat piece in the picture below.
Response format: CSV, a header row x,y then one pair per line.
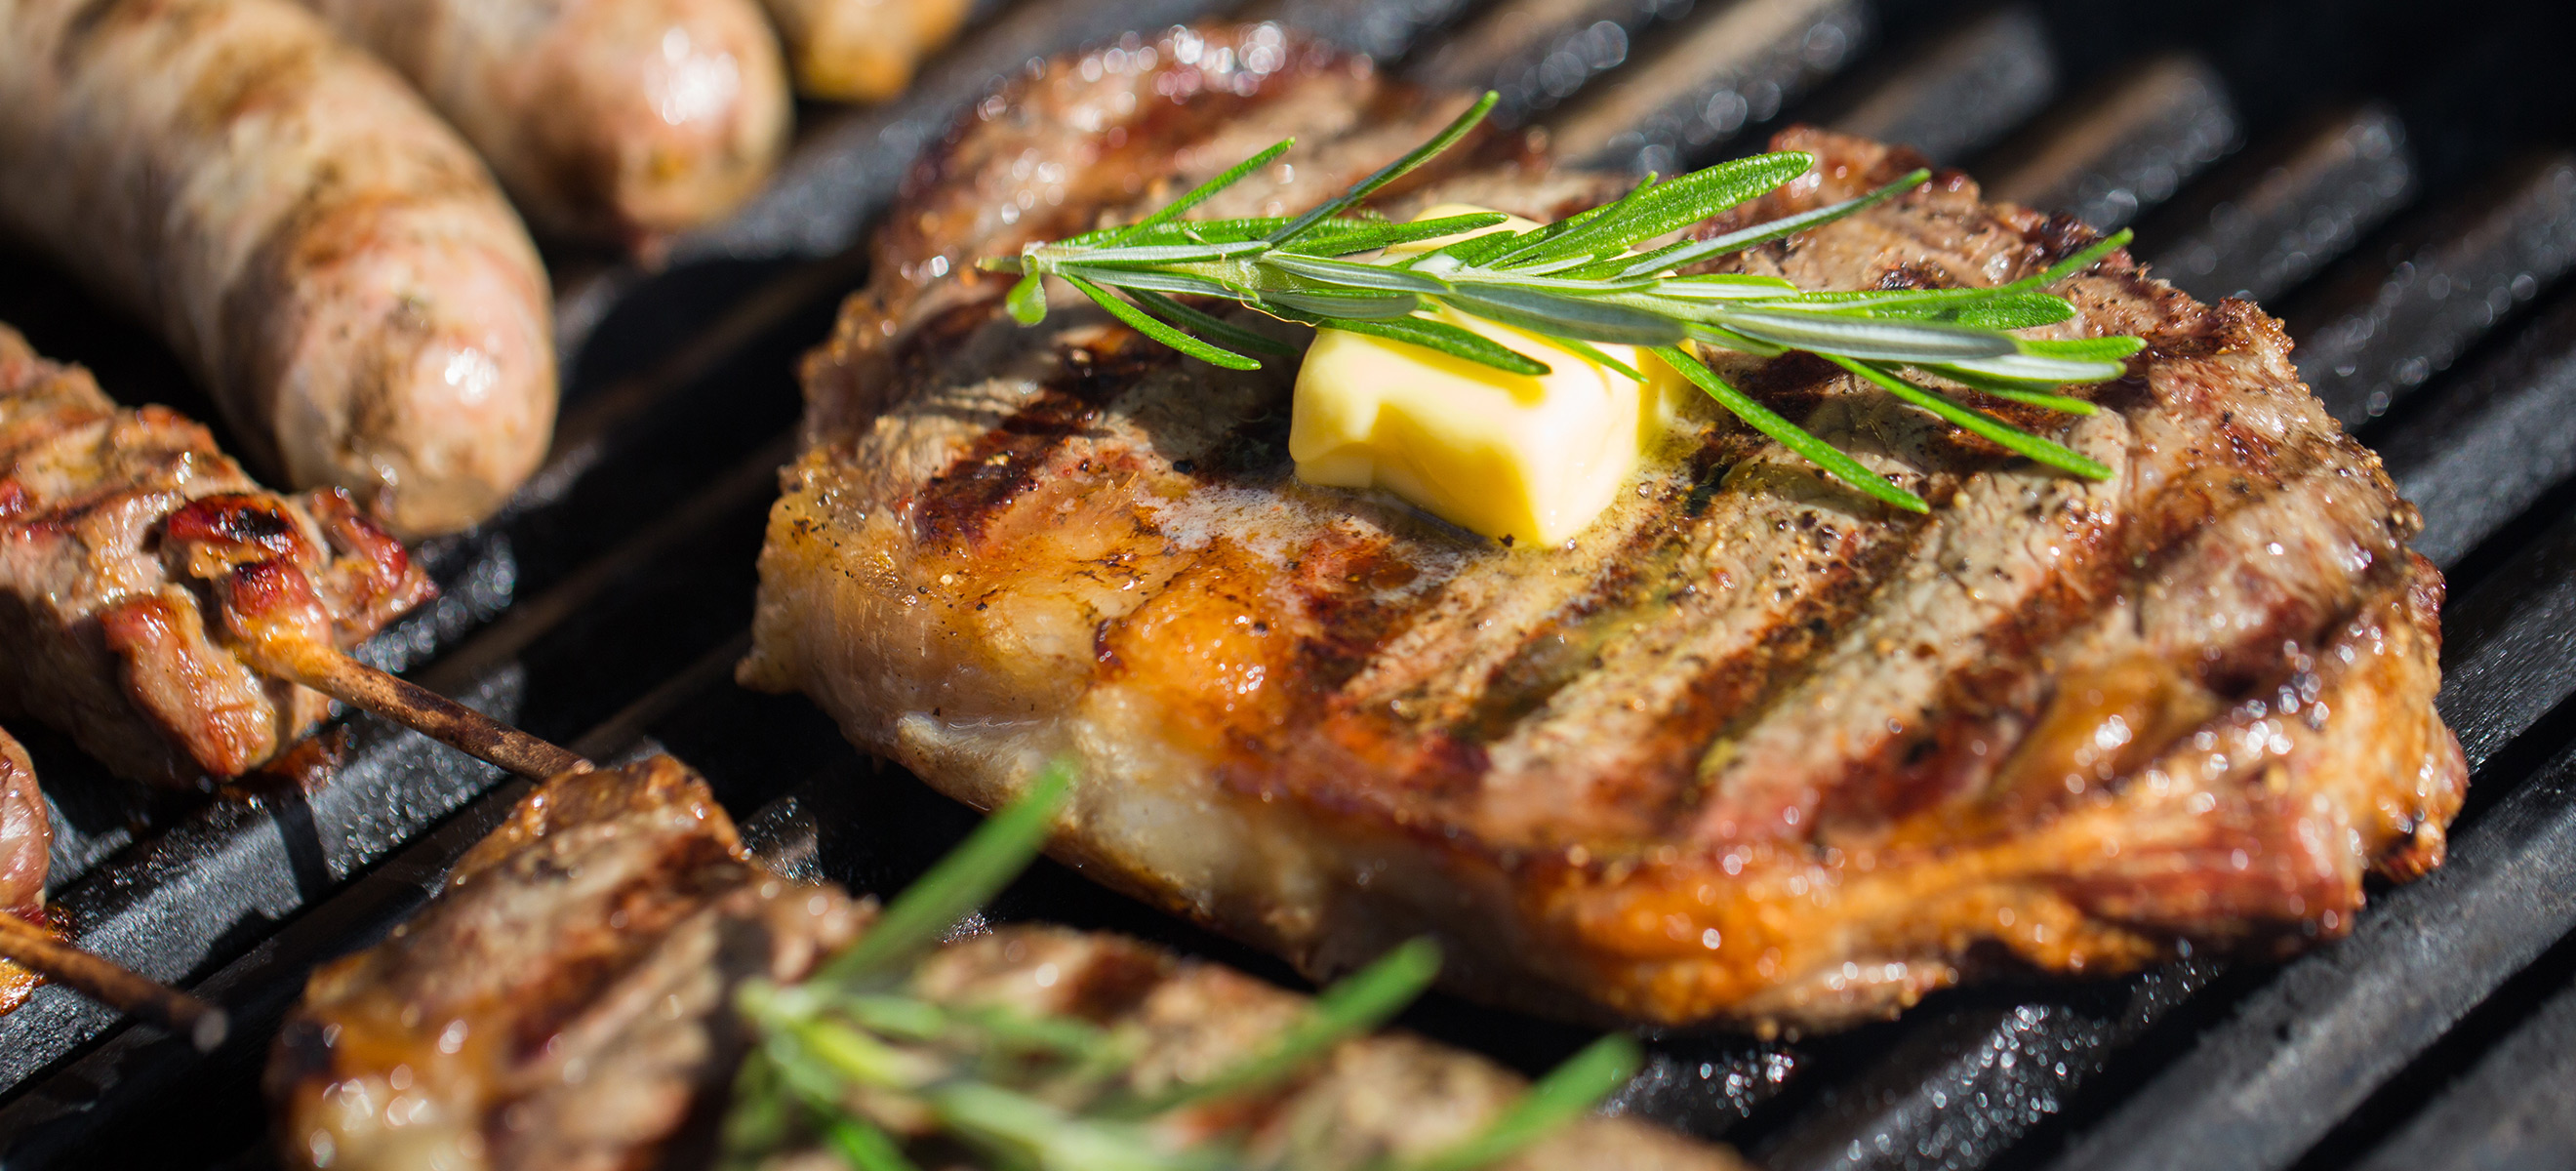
x,y
135,555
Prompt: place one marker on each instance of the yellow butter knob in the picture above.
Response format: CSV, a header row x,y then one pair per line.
x,y
1530,457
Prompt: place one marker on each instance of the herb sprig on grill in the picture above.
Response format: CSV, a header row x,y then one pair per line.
x,y
852,1057
1595,277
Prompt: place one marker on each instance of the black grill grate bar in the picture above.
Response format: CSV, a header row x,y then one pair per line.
x,y
2508,1112
1960,91
2128,144
2502,438
2378,333
1729,68
1535,54
2317,192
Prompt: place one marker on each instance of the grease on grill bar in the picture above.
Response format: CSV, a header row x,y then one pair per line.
x,y
2128,145
2318,192
1707,81
1537,53
2380,332
2505,435
1961,92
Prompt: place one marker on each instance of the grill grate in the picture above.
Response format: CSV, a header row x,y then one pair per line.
x,y
2391,177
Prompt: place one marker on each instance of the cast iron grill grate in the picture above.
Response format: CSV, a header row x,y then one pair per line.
x,y
2392,179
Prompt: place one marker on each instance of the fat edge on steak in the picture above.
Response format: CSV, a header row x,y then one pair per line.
x,y
1751,749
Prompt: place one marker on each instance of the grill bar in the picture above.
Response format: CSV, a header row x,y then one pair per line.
x,y
1727,70
2128,146
1962,91
2319,191
2383,332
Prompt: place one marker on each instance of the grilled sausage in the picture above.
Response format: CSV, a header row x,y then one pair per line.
x,y
26,832
862,50
331,259
604,119
133,553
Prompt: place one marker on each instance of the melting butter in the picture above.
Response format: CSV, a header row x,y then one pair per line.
x,y
1530,458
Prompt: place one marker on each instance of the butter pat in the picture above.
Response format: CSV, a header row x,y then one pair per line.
x,y
1529,458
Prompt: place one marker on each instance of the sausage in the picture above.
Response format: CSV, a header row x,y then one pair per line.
x,y
605,119
862,50
333,262
26,832
133,557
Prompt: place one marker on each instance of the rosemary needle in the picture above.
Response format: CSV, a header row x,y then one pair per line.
x,y
1593,278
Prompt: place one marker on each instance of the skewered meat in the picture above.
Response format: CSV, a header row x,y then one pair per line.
x,y
133,555
1749,749
616,119
26,833
561,1005
332,261
862,50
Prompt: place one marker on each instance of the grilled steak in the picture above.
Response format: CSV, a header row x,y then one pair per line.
x,y
1750,749
561,1006
133,552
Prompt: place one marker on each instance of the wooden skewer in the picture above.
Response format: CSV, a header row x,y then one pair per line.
x,y
433,715
28,945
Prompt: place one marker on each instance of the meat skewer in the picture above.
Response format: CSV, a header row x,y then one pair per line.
x,y
136,561
330,259
25,832
333,673
177,620
605,119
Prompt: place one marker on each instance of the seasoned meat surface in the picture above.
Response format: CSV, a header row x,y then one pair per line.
x,y
562,1006
1751,749
133,553
26,832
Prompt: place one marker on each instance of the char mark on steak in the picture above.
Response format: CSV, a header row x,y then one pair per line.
x,y
1750,749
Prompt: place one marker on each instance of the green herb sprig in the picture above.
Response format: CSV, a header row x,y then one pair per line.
x,y
1595,277
853,1060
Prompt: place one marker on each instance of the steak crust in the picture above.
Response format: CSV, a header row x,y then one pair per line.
x,y
562,1006
1751,749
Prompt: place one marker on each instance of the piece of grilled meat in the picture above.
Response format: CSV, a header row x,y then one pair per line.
x,y
1750,749
26,833
562,1005
133,552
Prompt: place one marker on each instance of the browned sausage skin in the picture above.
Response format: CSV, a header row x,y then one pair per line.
x,y
862,50
605,119
329,256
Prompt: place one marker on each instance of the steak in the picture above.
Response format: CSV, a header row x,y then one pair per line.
x,y
561,1005
1751,749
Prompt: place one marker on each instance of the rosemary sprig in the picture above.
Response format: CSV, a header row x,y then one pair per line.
x,y
1592,278
853,1062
